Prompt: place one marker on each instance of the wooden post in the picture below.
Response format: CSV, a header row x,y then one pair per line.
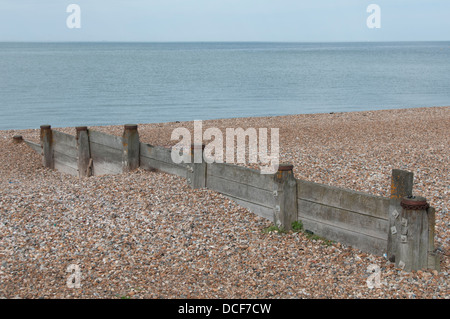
x,y
285,193
47,146
84,154
131,147
412,246
401,186
17,139
196,175
434,260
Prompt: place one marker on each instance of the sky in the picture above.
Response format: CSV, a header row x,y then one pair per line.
x,y
225,20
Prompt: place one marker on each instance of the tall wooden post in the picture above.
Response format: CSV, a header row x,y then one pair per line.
x,y
412,248
196,175
401,186
47,146
84,153
434,260
285,193
411,226
131,148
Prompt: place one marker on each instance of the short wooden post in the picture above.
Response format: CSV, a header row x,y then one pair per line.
x,y
285,194
17,139
412,246
131,148
84,153
401,186
196,174
47,146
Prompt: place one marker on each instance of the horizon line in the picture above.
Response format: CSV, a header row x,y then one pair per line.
x,y
213,41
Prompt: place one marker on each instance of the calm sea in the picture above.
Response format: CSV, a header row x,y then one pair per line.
x,y
71,84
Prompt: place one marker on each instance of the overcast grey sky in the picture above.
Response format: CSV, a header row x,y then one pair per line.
x,y
225,20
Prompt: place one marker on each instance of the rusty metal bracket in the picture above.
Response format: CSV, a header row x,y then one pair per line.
x,y
414,203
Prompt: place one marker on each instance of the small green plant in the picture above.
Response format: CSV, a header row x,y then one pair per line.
x,y
297,226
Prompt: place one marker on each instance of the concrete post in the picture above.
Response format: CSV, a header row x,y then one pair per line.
x,y
401,186
47,146
84,153
196,174
131,148
412,248
285,193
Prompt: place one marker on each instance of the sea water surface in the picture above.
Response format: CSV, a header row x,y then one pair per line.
x,y
73,84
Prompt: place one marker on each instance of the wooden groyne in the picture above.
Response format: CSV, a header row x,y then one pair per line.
x,y
400,226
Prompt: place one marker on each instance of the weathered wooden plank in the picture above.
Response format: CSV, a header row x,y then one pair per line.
x,y
34,146
65,153
239,190
65,149
105,168
159,153
106,160
103,153
111,141
64,138
373,245
240,174
157,157
62,165
343,219
167,167
65,159
262,211
362,203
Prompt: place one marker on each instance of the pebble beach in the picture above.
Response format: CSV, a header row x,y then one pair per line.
x,y
149,235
